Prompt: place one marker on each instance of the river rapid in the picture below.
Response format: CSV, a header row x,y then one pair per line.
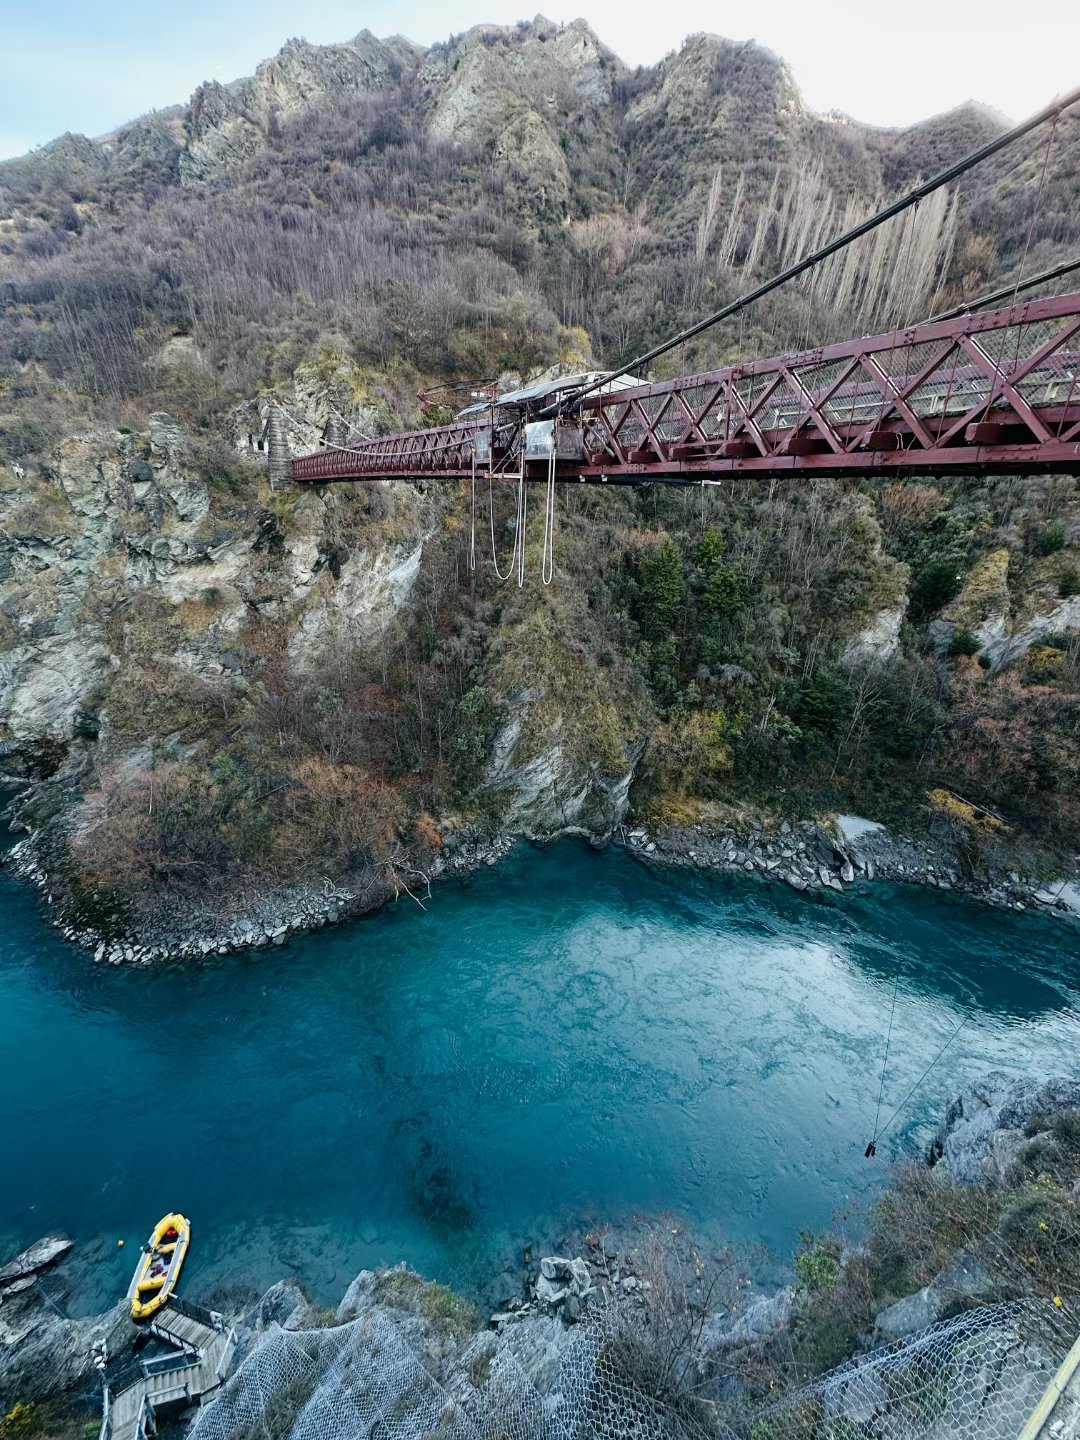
x,y
570,1040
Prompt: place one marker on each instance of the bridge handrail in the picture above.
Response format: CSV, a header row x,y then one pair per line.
x,y
192,1311
137,1370
1010,317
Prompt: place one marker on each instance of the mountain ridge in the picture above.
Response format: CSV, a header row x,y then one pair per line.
x,y
302,73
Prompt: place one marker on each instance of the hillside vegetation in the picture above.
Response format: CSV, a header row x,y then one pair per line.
x,y
213,681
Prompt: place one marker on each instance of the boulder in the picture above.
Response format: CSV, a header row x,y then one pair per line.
x,y
963,1280
914,1312
554,1267
764,1317
33,1259
550,1292
284,1304
580,1277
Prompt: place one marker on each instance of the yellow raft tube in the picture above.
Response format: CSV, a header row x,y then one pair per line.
x,y
159,1265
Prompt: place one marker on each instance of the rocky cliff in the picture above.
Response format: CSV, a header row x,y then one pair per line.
x,y
156,606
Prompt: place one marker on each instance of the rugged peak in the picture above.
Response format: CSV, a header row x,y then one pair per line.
x,y
220,134
491,77
226,123
710,69
73,157
302,74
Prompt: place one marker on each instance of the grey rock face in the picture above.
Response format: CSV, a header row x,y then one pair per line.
x,y
34,1258
1001,648
42,1355
220,134
43,684
759,1320
963,1280
982,1133
548,794
878,641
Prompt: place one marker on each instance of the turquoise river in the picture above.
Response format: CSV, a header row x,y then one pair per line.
x,y
569,1039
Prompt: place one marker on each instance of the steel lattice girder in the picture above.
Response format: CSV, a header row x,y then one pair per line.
x,y
994,391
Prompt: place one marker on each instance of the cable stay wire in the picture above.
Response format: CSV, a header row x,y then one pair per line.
x,y
871,1149
301,427
347,423
1049,112
884,1129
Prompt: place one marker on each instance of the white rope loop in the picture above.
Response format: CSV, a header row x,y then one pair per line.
x,y
494,554
547,567
472,514
522,507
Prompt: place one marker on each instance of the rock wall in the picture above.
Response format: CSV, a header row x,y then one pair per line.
x,y
983,1131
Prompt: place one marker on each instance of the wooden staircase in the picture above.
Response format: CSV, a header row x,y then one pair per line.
x,y
202,1350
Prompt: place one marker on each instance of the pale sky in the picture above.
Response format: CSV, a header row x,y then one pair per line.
x,y
89,65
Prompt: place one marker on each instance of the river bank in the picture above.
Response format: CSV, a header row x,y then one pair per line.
x,y
838,852
830,854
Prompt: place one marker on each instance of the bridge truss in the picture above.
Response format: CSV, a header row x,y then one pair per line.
x,y
999,390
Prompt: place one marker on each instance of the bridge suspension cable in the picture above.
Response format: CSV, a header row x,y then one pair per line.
x,y
1007,292
1050,112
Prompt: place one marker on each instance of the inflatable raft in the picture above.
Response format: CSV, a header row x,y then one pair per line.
x,y
159,1265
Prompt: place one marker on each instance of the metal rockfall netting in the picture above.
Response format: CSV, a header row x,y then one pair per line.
x,y
364,1379
977,1377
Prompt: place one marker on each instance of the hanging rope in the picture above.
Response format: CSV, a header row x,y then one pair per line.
x,y
547,566
494,556
517,555
871,1149
472,514
522,505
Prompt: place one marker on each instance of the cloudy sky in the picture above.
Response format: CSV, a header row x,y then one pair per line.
x,y
89,65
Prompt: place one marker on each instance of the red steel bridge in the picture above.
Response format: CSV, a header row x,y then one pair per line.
x,y
993,391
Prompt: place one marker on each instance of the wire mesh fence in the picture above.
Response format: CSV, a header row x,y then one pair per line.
x,y
976,1377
